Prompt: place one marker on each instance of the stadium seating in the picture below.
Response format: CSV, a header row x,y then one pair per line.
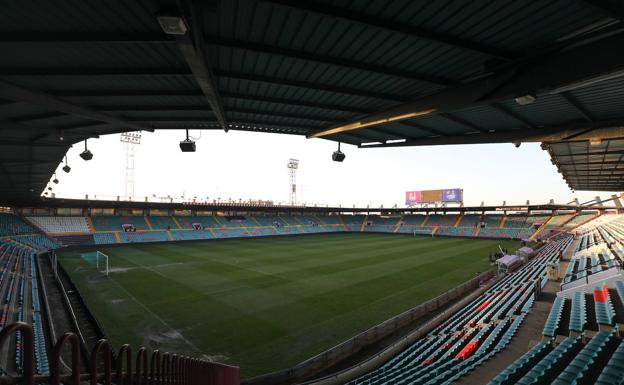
x,y
579,219
605,313
475,333
108,229
577,315
115,223
144,236
12,225
36,241
552,323
61,225
19,283
546,368
613,372
104,238
162,222
181,235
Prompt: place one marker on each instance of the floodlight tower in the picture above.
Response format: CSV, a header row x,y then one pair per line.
x,y
293,165
131,139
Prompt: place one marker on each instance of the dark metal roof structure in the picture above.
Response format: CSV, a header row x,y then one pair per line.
x,y
590,166
363,72
250,208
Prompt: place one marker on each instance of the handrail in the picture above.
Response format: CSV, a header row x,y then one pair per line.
x,y
178,370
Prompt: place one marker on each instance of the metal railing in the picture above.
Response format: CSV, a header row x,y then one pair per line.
x,y
106,368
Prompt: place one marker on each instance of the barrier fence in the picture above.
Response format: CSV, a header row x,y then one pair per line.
x,y
104,368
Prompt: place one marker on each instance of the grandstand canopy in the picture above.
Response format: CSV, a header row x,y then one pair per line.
x,y
368,73
587,166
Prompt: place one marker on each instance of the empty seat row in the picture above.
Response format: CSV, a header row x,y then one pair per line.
x,y
552,323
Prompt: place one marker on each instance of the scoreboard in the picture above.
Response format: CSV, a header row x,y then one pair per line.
x,y
452,195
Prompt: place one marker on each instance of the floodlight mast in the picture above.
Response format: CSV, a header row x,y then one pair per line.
x,y
292,165
131,139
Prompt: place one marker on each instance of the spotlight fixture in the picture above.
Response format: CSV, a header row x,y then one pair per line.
x,y
338,156
595,141
50,188
55,180
66,168
526,99
172,25
187,145
86,154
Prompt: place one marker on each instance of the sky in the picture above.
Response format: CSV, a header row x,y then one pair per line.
x,y
247,165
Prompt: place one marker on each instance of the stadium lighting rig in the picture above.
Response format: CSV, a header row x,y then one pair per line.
x,y
86,154
66,168
188,145
172,24
524,100
338,156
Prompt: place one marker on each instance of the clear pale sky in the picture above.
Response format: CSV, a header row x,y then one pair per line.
x,y
249,165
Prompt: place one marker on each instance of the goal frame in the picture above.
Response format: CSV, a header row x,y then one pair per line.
x,y
104,261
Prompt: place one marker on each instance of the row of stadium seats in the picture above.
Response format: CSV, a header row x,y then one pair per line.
x,y
21,300
110,229
60,225
12,225
600,360
586,311
65,224
582,335
473,334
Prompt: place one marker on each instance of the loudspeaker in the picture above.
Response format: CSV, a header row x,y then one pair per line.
x,y
338,156
187,146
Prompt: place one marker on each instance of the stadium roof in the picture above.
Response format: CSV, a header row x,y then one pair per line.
x,y
234,207
368,73
587,166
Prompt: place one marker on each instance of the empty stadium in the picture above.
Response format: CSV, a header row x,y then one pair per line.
x,y
454,209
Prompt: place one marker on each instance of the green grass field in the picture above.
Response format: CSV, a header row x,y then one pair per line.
x,y
269,303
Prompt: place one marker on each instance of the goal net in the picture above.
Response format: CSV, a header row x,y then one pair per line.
x,y
97,259
423,232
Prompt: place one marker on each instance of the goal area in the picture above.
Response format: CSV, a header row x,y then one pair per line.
x,y
98,260
429,232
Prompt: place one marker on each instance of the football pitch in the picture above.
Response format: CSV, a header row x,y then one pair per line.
x,y
269,303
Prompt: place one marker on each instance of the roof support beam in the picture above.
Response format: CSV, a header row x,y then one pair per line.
x,y
589,163
309,85
462,122
511,113
17,93
192,48
217,72
592,153
584,175
108,71
577,106
421,127
298,103
282,115
88,37
232,95
553,74
605,130
410,30
325,59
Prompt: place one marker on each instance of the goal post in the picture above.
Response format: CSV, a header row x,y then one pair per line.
x,y
97,259
423,232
